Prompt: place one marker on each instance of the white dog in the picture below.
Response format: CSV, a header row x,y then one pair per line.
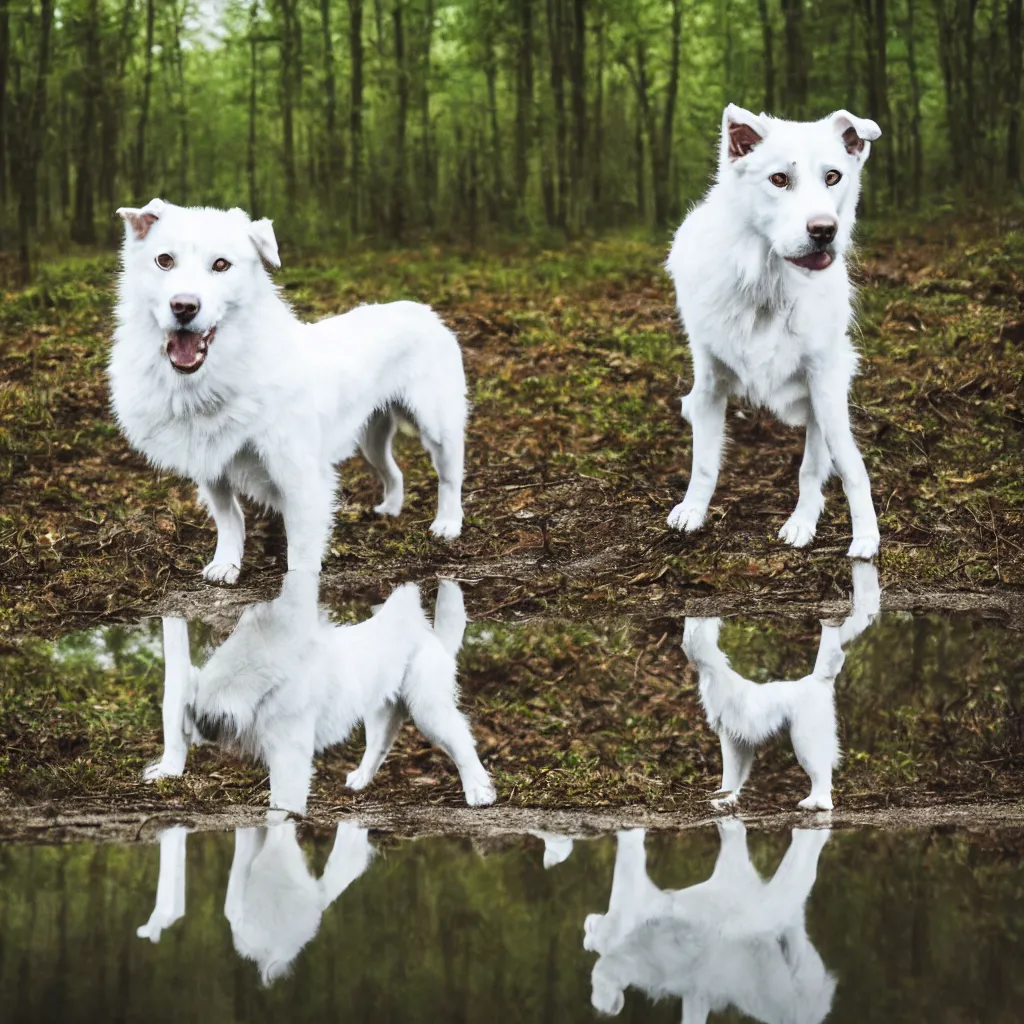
x,y
273,904
213,377
745,714
734,940
288,684
763,293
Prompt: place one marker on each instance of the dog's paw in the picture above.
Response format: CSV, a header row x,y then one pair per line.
x,y
447,528
686,517
724,803
221,572
480,792
797,532
358,779
816,802
864,545
389,507
165,768
592,929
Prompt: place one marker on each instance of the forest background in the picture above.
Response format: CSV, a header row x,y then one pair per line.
x,y
400,120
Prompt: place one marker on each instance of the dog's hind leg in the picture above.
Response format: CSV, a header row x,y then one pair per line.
x,y
800,528
381,728
832,411
737,760
705,409
429,694
447,452
378,434
227,515
177,687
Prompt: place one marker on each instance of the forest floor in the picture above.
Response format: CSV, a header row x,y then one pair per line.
x,y
576,452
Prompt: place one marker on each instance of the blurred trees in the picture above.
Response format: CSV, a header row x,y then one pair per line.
x,y
398,118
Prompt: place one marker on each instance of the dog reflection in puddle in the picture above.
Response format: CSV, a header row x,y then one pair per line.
x,y
274,903
288,683
745,714
734,940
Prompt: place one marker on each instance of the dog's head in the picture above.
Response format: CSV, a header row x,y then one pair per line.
x,y
800,180
189,267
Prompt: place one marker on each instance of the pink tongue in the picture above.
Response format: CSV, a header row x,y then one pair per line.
x,y
183,349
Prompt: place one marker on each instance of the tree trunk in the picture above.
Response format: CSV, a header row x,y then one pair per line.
x,y
289,76
183,129
5,60
1013,91
250,162
556,47
402,74
495,198
335,157
355,123
31,126
524,100
597,147
794,98
768,49
139,178
83,221
577,77
428,171
662,148
916,153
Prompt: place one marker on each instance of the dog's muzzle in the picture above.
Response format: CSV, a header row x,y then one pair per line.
x,y
187,349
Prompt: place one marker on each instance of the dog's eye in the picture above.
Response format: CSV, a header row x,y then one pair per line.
x,y
165,261
220,265
832,178
779,180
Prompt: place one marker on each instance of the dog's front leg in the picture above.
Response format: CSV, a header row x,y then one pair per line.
x,y
308,510
170,886
220,499
800,528
289,759
177,686
704,406
830,405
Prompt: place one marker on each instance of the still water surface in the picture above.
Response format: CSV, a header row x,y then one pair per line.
x,y
713,924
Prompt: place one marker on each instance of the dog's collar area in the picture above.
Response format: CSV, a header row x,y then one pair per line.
x,y
187,349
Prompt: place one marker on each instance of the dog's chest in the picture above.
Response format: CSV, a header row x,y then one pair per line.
x,y
767,359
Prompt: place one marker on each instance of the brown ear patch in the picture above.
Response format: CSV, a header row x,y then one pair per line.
x,y
140,223
853,142
742,139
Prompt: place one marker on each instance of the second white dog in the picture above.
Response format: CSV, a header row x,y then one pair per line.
x,y
762,288
213,377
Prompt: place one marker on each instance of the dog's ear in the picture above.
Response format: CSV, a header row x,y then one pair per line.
x,y
262,234
741,132
857,132
139,221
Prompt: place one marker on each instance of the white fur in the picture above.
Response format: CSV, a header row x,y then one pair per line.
x,y
288,684
766,330
746,714
277,404
734,940
273,904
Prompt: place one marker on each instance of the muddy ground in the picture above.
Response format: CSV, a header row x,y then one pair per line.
x,y
576,452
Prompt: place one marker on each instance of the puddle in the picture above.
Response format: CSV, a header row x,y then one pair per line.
x,y
345,924
565,713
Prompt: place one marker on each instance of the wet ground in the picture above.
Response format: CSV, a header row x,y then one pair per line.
x,y
341,923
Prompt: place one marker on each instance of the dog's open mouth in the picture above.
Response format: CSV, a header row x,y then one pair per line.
x,y
817,260
187,349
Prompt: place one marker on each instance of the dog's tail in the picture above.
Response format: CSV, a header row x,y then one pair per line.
x,y
450,616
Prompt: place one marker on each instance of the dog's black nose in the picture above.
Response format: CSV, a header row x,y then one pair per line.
x,y
184,307
822,229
